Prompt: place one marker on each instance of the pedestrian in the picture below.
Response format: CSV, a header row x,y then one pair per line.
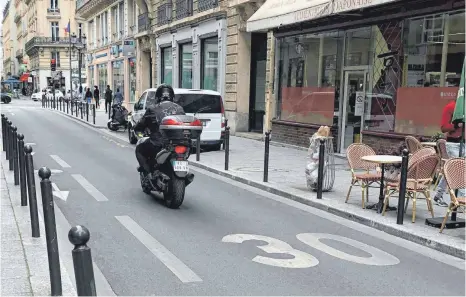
x,y
89,95
118,98
108,99
453,137
96,96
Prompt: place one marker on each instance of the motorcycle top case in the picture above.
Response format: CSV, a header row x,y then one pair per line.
x,y
180,127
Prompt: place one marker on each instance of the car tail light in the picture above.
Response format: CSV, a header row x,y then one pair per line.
x,y
171,122
223,112
196,122
180,149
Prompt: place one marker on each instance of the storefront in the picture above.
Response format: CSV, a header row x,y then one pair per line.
x,y
367,76
193,57
102,71
91,78
132,79
118,73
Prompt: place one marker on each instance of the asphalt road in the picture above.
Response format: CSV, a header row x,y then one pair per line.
x,y
144,248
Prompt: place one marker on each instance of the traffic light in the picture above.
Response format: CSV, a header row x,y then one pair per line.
x,y
53,65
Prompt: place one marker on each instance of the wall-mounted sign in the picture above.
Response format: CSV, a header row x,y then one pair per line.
x,y
129,47
359,105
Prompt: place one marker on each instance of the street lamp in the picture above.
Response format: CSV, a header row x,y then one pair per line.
x,y
82,39
72,45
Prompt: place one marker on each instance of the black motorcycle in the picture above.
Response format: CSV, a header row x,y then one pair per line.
x,y
119,118
171,171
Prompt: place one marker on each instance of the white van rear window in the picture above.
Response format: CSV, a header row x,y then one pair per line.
x,y
199,103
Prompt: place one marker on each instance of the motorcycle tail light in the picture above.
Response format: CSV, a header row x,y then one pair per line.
x,y
196,122
171,122
180,149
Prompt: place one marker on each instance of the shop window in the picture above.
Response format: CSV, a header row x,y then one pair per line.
x,y
209,64
309,78
118,76
167,66
359,47
132,79
186,66
103,78
56,56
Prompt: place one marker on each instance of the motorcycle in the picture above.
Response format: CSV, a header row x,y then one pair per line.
x,y
120,116
170,166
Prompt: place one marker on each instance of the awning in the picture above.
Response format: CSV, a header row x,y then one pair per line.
x,y
24,77
277,13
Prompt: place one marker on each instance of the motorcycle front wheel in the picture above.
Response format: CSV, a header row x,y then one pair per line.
x,y
131,138
145,185
175,195
112,127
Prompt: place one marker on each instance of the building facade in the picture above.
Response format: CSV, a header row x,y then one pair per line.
x,y
362,67
111,46
11,65
47,36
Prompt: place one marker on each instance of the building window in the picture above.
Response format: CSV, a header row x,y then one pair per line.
x,y
209,70
167,65
80,30
90,80
53,4
121,21
55,31
56,56
118,76
132,79
186,66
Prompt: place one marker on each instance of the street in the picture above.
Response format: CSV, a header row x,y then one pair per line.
x,y
226,238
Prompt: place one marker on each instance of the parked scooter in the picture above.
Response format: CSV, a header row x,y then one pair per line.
x,y
119,119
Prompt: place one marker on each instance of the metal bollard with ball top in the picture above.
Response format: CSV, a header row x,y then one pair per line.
x,y
15,156
227,147
22,170
31,184
11,148
50,231
87,112
8,137
198,148
266,156
320,176
82,261
403,179
3,132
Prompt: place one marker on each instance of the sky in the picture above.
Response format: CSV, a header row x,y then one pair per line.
x,y
2,6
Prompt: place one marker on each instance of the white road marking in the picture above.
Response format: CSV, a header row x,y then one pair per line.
x,y
54,171
63,195
183,272
89,187
274,246
60,161
377,258
30,143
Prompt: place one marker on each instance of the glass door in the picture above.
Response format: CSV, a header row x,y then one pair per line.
x,y
354,97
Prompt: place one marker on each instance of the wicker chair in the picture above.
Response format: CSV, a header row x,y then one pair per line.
x,y
442,151
425,151
363,179
412,144
454,171
419,180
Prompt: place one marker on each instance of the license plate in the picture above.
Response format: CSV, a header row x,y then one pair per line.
x,y
180,165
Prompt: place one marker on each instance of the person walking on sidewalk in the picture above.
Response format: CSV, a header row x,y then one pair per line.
x,y
96,96
118,98
108,99
88,96
453,135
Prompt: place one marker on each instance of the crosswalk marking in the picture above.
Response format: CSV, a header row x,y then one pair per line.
x,y
60,161
183,272
89,187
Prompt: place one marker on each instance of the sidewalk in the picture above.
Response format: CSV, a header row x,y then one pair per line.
x,y
287,179
101,118
24,263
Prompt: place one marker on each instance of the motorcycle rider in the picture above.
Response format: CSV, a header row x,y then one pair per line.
x,y
147,149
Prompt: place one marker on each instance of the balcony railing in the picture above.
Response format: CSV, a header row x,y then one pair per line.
x,y
143,22
19,53
164,13
184,8
203,5
81,3
47,41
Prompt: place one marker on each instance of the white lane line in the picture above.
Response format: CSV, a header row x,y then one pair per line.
x,y
89,187
183,272
60,161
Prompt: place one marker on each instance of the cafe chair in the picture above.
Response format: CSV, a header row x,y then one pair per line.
x,y
442,151
412,144
419,179
425,151
364,179
455,176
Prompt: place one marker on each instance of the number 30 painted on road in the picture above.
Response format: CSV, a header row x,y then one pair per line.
x,y
304,260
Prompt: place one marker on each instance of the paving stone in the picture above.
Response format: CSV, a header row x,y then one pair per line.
x,y
18,286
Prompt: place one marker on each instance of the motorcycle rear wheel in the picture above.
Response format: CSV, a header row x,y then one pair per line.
x,y
145,185
174,197
112,127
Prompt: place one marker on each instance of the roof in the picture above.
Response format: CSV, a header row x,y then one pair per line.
x,y
188,91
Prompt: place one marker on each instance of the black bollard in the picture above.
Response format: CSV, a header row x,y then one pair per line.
x,y
11,148
76,109
320,172
82,261
71,103
8,139
198,148
22,170
266,156
402,196
226,125
50,231
227,147
3,132
81,109
87,112
93,114
31,183
15,156
68,106
59,102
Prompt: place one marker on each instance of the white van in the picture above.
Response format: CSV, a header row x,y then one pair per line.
x,y
205,105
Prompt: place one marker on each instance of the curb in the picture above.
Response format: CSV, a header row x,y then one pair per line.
x,y
76,118
392,230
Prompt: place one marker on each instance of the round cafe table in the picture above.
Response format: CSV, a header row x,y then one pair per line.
x,y
432,144
381,160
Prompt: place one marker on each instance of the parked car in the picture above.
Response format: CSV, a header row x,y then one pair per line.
x,y
205,105
58,94
37,96
6,97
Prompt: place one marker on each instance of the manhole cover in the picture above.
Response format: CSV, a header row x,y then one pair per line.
x,y
257,169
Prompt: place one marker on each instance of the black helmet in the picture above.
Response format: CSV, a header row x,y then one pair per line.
x,y
164,92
